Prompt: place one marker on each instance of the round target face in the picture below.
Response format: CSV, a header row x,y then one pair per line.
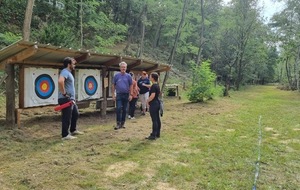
x,y
90,85
44,86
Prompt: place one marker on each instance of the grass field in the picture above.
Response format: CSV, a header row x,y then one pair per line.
x,y
213,145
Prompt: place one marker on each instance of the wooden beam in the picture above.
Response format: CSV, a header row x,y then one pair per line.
x,y
155,67
10,95
137,63
19,57
82,57
113,61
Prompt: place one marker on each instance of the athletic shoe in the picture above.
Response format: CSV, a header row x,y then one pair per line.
x,y
69,137
151,137
133,118
77,133
129,117
118,126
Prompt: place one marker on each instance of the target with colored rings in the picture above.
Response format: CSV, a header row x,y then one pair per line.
x,y
44,86
90,85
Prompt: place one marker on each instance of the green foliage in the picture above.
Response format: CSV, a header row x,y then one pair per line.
x,y
8,38
203,86
57,34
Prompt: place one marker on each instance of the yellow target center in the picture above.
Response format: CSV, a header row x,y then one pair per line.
x,y
44,86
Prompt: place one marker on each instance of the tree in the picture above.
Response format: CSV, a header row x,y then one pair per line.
x,y
203,87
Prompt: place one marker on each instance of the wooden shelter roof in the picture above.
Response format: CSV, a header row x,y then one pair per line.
x,y
45,55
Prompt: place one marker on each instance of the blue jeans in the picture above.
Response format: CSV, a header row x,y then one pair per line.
x,y
122,102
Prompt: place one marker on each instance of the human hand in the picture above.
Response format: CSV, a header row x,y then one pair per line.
x,y
130,98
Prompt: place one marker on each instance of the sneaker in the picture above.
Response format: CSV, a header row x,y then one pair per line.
x,y
69,137
151,137
77,133
118,126
129,117
133,118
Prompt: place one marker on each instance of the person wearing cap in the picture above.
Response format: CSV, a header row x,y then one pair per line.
x,y
67,93
144,84
135,92
122,92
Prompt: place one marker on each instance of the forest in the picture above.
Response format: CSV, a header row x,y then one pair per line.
x,y
242,46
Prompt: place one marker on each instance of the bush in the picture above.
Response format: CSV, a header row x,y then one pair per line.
x,y
203,85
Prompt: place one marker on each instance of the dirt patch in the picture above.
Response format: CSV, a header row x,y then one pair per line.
x,y
118,169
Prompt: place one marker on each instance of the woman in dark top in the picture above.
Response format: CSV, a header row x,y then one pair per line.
x,y
154,104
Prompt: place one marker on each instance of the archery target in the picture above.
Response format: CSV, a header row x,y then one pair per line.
x,y
44,86
40,87
89,84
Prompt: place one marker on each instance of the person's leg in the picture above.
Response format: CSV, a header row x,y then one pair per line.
x,y
143,102
132,106
154,115
146,99
158,124
65,117
74,118
118,111
124,107
130,109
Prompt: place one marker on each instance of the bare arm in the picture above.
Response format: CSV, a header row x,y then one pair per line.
x,y
61,85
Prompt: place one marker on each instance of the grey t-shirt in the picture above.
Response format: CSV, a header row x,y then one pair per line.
x,y
69,84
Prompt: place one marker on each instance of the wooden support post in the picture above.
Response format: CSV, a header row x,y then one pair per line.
x,y
104,93
10,95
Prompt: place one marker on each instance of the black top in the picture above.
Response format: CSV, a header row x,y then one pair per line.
x,y
143,89
154,89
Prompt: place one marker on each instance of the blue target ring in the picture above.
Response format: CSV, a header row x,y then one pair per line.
x,y
90,85
44,86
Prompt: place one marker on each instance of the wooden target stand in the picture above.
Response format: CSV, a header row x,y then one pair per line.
x,y
32,54
100,103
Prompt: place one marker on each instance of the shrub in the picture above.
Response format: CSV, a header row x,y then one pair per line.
x,y
203,84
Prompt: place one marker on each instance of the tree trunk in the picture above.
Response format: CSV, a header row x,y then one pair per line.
x,y
157,35
297,68
144,19
27,20
130,34
288,72
199,56
80,15
128,8
171,57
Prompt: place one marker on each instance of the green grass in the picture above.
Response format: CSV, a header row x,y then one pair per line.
x,y
212,145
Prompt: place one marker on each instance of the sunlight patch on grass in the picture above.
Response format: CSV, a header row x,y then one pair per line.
x,y
118,169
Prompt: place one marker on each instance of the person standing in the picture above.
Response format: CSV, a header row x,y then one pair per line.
x,y
122,94
135,92
154,106
67,93
144,84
